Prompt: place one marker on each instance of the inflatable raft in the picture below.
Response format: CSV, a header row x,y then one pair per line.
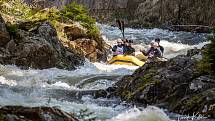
x,y
126,60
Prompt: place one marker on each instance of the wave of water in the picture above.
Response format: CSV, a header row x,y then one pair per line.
x,y
150,113
146,35
63,88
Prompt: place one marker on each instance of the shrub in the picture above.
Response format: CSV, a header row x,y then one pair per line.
x,y
17,8
12,29
79,13
207,64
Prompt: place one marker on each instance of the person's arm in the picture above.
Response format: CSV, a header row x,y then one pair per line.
x,y
114,48
148,51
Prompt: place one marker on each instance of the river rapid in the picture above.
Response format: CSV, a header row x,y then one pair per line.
x,y
71,90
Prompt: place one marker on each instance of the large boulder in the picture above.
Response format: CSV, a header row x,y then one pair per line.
x,y
19,113
75,36
91,49
75,31
177,85
39,48
4,35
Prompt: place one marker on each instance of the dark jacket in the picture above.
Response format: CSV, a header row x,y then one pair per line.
x,y
161,49
129,50
154,52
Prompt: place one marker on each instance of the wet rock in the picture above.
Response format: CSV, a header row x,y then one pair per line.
x,y
176,85
4,35
201,103
193,52
40,49
202,83
75,31
93,48
18,113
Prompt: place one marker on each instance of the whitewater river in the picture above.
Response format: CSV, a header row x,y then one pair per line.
x,y
64,89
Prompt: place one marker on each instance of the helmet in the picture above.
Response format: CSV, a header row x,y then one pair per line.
x,y
119,41
157,40
154,44
130,41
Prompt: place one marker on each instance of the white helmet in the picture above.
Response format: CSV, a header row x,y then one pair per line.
x,y
154,44
119,41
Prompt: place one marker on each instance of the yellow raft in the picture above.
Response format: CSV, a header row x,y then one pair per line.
x,y
127,60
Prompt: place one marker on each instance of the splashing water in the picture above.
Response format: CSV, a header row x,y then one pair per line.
x,y
150,113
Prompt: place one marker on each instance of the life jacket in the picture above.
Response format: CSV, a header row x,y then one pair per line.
x,y
119,51
154,52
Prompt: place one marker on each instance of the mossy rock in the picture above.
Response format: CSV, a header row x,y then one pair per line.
x,y
192,102
2,117
31,25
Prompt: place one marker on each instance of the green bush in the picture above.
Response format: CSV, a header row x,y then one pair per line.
x,y
17,8
12,29
79,13
51,14
207,64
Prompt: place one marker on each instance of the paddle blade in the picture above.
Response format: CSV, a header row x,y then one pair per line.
x,y
119,24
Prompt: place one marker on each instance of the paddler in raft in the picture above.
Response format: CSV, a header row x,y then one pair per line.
x,y
118,49
160,47
123,47
153,53
129,50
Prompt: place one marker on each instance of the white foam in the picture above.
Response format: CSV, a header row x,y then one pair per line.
x,y
150,113
13,98
5,81
174,49
57,78
61,84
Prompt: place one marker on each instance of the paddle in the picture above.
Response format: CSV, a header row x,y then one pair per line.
x,y
121,26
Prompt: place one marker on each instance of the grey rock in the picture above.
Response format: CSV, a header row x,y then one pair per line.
x,y
4,35
39,49
176,85
19,113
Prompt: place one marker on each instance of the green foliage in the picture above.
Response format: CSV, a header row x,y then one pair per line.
x,y
12,29
17,8
73,11
79,13
1,117
51,14
193,101
207,64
